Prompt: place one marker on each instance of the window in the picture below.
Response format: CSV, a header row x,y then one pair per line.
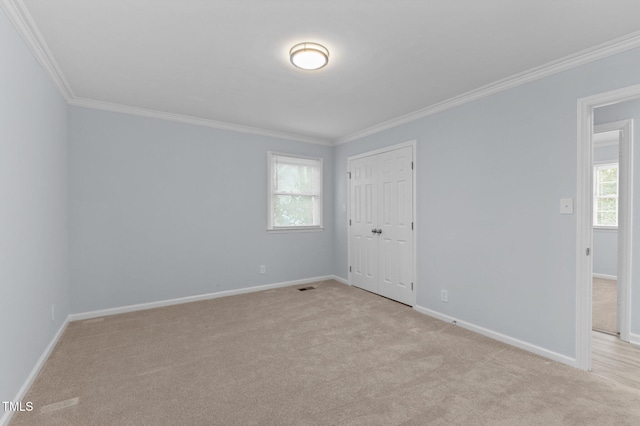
x,y
605,195
295,193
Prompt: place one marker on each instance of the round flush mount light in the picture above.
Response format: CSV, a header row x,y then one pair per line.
x,y
309,56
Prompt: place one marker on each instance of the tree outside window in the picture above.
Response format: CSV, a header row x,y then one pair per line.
x,y
605,195
295,197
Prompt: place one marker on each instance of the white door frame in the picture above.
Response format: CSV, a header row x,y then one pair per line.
x,y
584,219
625,219
413,144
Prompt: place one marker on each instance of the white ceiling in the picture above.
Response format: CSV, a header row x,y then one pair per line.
x,y
227,60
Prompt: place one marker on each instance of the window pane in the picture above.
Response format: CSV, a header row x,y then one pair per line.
x,y
607,204
607,219
610,218
294,178
295,191
608,174
608,188
605,201
293,210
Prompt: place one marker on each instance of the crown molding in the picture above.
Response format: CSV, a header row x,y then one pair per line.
x,y
583,57
149,113
21,19
23,22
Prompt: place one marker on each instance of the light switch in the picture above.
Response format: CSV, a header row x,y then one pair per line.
x,y
566,206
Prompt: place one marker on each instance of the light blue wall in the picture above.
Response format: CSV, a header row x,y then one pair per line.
x,y
33,211
490,176
605,252
162,210
605,241
605,153
616,112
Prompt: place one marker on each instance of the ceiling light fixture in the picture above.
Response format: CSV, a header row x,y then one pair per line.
x,y
309,56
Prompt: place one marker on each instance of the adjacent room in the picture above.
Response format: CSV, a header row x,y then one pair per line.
x,y
310,213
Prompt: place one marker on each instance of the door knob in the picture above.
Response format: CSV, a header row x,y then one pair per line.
x,y
374,231
379,231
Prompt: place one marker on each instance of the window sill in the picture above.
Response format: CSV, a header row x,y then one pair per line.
x,y
295,229
606,228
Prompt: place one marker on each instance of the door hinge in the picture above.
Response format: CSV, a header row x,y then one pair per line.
x,y
412,165
349,174
588,251
412,225
349,268
349,222
411,286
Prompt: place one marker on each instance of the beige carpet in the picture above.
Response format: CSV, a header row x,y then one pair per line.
x,y
335,355
605,301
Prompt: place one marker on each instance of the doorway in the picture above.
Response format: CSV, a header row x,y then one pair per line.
x,y
585,219
381,193
608,300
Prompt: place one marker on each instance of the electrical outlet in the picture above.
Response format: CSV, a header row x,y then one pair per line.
x,y
444,296
263,269
53,312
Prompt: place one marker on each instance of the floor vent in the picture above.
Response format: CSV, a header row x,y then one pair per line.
x,y
306,288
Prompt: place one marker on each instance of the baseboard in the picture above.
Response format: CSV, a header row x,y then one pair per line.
x,y
605,277
634,339
340,279
563,359
7,415
196,298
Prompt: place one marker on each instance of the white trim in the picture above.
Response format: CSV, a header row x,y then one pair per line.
x,y
604,135
634,339
317,165
563,359
348,222
415,221
24,24
597,144
613,126
584,218
340,280
7,415
188,299
625,226
624,129
411,143
605,229
605,163
195,121
414,145
623,94
605,276
591,54
584,235
287,230
22,20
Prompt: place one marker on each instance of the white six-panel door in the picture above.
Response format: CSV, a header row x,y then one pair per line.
x,y
381,229
364,219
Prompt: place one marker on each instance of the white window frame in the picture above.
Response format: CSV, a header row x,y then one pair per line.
x,y
597,165
271,192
